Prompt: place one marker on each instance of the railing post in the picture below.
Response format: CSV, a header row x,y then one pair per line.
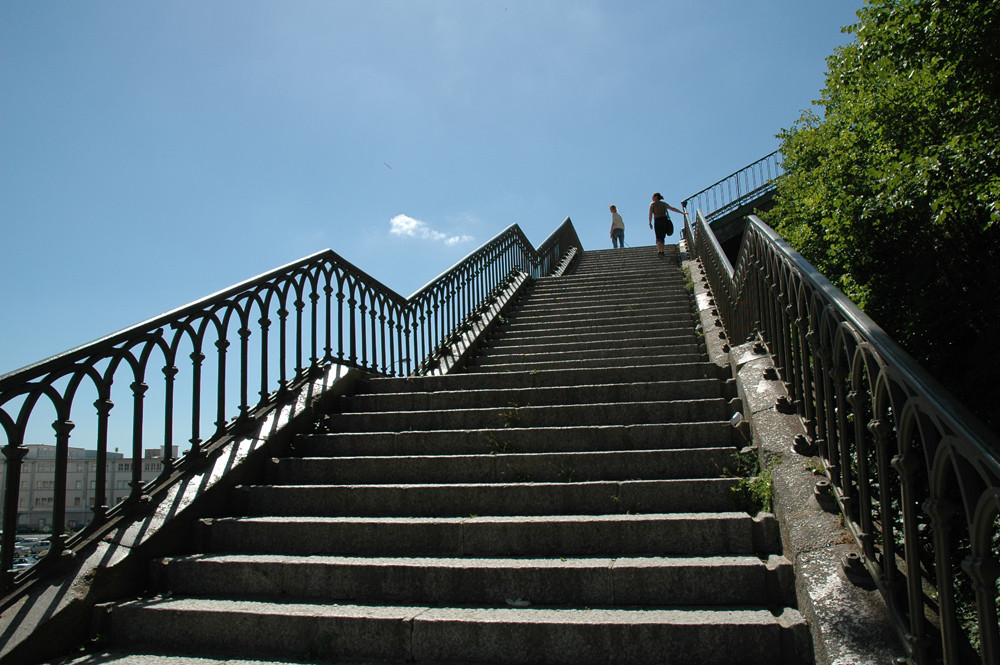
x,y
63,428
100,508
14,455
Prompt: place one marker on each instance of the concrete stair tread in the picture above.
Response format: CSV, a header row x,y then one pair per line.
x,y
562,394
702,434
600,413
609,347
520,430
505,486
621,534
601,361
539,377
287,607
499,467
602,563
505,498
644,518
422,633
611,581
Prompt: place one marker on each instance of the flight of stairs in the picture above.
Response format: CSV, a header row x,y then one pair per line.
x,y
562,500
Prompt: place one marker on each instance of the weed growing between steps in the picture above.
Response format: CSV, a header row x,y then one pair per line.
x,y
497,446
511,417
565,473
688,280
754,489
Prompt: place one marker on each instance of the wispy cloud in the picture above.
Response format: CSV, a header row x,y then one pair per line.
x,y
404,225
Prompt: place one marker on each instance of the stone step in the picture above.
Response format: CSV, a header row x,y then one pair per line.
x,y
494,468
593,581
547,378
522,440
549,415
500,362
666,278
508,498
419,633
592,360
585,338
671,534
695,388
570,350
571,308
597,290
623,320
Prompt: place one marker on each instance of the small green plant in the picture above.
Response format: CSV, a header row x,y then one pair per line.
x,y
754,488
511,417
498,446
816,467
688,280
566,474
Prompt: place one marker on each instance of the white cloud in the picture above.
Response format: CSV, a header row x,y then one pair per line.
x,y
456,240
404,225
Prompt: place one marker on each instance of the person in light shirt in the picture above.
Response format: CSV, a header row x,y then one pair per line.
x,y
617,229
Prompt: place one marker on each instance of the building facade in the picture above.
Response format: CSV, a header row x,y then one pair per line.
x,y
37,485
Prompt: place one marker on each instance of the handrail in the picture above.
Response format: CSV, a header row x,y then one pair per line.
x,y
915,475
287,325
737,188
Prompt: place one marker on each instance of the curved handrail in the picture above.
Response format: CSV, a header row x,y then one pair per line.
x,y
916,476
281,328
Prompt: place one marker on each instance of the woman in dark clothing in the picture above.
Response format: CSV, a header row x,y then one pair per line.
x,y
659,217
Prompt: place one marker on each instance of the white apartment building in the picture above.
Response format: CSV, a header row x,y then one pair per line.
x,y
37,491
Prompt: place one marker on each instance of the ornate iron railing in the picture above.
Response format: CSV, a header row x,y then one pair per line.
x,y
287,325
915,475
736,189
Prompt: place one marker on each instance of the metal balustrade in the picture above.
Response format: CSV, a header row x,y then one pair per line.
x,y
234,354
914,474
736,189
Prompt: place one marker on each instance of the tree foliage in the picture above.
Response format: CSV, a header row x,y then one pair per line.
x,y
893,192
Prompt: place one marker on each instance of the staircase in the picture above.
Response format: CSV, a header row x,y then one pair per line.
x,y
560,501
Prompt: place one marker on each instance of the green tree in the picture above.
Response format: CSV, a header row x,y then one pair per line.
x,y
893,192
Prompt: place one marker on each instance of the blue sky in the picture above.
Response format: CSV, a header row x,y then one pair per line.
x,y
154,152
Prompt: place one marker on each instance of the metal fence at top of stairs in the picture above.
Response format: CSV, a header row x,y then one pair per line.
x,y
286,325
914,474
749,183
